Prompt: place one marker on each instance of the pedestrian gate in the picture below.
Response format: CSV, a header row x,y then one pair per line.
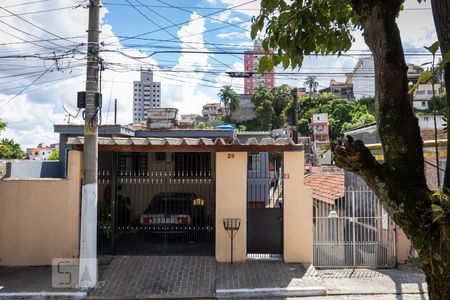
x,y
156,203
353,231
265,205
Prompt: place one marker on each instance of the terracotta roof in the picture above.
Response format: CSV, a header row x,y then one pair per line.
x,y
326,186
428,134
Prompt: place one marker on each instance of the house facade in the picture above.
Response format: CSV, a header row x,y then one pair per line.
x,y
167,196
251,65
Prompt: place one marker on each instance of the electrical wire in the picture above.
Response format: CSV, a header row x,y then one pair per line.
x,y
186,22
27,86
34,25
39,11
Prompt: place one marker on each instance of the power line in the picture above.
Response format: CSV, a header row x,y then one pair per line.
x,y
26,87
39,11
186,22
209,17
44,40
26,3
34,25
165,30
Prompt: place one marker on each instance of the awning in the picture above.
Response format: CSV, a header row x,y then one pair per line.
x,y
132,144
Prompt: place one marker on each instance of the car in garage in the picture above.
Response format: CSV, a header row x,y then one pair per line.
x,y
176,211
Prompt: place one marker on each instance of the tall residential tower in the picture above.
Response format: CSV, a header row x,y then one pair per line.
x,y
147,94
251,64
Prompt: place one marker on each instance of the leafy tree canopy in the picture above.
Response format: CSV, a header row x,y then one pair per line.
x,y
272,105
10,149
54,155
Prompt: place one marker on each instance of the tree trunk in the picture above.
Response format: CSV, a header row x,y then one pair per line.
x,y
400,181
441,16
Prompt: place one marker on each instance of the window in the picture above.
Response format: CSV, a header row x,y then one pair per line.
x,y
420,92
424,104
254,162
192,164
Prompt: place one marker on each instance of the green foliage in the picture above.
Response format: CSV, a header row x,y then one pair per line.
x,y
302,28
272,105
54,155
202,125
2,125
265,114
360,116
10,149
342,113
229,98
303,127
369,102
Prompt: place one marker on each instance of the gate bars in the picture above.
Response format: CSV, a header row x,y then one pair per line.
x,y
156,203
353,231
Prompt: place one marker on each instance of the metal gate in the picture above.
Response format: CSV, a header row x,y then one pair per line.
x,y
353,231
264,205
156,203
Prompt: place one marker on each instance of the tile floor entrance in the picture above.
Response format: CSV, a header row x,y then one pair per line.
x,y
191,277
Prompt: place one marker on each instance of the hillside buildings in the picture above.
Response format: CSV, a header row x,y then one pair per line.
x,y
251,64
423,95
41,151
340,90
212,113
146,94
320,138
363,78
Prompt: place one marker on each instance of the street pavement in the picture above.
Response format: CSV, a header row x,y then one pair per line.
x,y
190,277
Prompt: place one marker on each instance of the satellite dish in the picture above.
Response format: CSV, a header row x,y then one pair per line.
x,y
71,111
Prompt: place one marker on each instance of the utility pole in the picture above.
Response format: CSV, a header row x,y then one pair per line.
x,y
115,111
88,234
294,93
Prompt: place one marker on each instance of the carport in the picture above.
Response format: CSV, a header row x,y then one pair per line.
x,y
169,196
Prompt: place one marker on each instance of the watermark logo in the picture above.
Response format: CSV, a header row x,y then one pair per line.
x,y
65,272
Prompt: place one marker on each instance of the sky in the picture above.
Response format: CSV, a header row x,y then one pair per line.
x,y
42,56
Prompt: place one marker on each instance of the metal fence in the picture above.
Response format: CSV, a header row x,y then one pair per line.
x,y
157,204
353,231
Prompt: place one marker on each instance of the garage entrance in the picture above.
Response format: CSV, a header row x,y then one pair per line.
x,y
156,203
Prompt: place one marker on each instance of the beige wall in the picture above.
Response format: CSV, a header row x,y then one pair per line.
x,y
231,202
39,218
298,209
403,246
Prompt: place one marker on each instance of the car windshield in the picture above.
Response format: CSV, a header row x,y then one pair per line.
x,y
180,204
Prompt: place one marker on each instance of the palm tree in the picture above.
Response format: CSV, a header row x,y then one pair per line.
x,y
10,149
311,83
229,98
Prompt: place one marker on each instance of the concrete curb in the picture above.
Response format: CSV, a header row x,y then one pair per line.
x,y
272,292
44,295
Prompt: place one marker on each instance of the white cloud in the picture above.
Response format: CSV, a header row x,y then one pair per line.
x,y
234,35
236,83
249,9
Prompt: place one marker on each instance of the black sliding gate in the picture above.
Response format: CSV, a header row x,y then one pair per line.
x,y
156,203
265,205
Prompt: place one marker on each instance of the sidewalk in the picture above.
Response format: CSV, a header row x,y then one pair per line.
x,y
178,277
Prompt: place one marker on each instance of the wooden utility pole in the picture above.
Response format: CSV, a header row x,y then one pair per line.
x,y
88,234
